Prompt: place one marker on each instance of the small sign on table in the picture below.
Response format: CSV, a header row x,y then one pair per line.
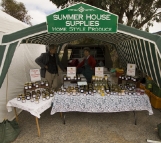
x,y
99,71
71,72
35,75
131,69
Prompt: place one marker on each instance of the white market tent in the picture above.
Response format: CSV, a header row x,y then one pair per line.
x,y
23,60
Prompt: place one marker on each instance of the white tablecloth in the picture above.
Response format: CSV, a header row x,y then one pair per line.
x,y
33,108
97,103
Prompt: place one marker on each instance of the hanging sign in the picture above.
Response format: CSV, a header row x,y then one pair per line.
x,y
131,69
71,72
99,71
82,18
35,75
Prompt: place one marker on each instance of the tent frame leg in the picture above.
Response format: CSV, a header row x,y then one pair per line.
x,y
135,119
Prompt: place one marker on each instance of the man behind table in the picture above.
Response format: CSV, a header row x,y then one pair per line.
x,y
87,66
49,63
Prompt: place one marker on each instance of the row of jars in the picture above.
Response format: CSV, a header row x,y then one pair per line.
x,y
67,78
34,96
96,78
30,85
124,77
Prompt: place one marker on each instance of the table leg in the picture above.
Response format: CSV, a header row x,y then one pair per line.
x,y
16,114
61,114
64,119
135,122
38,128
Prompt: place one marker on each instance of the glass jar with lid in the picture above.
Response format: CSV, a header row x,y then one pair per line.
x,y
36,100
23,99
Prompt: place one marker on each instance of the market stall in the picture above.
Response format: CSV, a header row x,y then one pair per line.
x,y
133,46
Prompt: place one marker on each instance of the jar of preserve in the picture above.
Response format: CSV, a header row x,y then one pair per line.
x,y
42,82
46,83
47,96
32,99
23,99
26,86
28,96
78,77
105,77
33,94
51,93
37,100
65,77
30,85
19,97
36,84
69,78
43,97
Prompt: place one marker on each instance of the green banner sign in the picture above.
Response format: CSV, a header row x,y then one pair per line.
x,y
82,18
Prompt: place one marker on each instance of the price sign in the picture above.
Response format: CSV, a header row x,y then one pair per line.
x,y
99,71
131,69
71,72
35,75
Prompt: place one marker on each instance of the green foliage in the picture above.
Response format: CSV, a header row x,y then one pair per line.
x,y
17,10
134,13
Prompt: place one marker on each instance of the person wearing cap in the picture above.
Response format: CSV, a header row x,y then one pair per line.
x,y
87,66
49,63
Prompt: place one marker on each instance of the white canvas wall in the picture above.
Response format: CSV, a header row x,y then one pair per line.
x,y
23,60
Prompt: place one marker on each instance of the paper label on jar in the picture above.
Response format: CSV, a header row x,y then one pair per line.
x,y
81,90
65,78
51,94
30,87
43,98
37,86
28,97
47,84
26,87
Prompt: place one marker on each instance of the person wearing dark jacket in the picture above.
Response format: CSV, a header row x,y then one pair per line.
x,y
87,66
49,63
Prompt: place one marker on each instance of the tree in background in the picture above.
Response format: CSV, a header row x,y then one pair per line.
x,y
17,10
134,13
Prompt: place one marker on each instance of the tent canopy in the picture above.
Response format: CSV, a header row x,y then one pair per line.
x,y
133,46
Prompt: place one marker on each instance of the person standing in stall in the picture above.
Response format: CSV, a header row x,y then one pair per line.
x,y
87,66
49,63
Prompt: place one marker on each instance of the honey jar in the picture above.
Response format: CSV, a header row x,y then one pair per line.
x,y
36,84
19,97
65,78
30,85
28,95
36,100
46,83
47,96
43,97
23,99
51,93
32,99
78,77
26,86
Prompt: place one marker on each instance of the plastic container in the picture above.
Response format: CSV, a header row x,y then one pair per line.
x,y
119,72
147,92
156,90
155,101
149,84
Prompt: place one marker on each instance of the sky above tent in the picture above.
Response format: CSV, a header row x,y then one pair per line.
x,y
39,9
